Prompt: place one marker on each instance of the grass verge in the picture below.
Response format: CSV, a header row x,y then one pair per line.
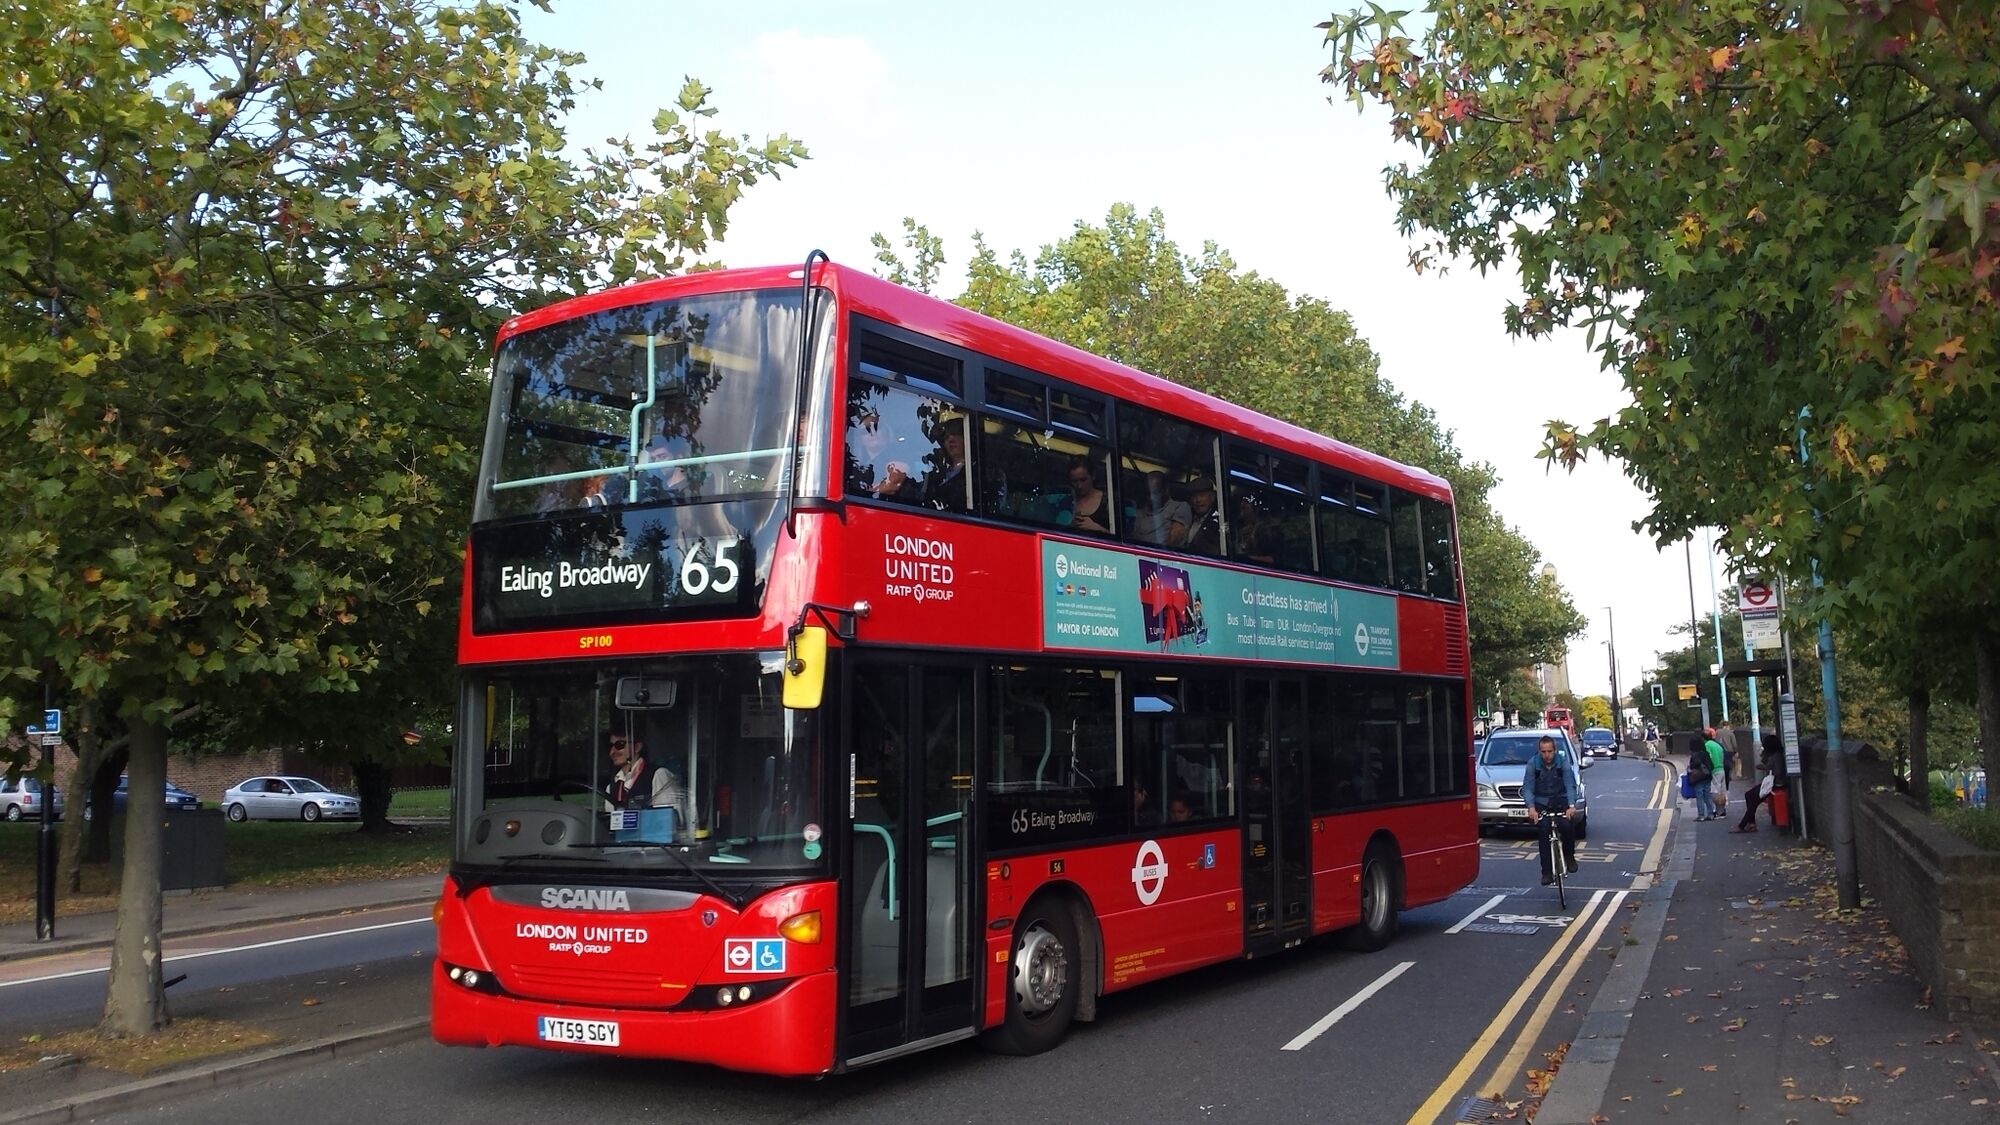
x,y
260,853
183,1041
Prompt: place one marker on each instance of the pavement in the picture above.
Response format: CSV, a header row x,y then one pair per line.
x,y
1747,995
1741,993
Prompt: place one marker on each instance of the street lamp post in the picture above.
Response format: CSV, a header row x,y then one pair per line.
x,y
1617,704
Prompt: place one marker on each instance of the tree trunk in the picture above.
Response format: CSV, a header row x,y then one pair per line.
x,y
135,1002
103,784
1986,647
372,788
1920,752
89,752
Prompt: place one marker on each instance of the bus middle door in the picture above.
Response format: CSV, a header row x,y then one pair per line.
x,y
1277,839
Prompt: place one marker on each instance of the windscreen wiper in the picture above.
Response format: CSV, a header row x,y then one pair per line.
x,y
690,868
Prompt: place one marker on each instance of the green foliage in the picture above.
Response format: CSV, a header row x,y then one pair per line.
x,y
926,257
1980,826
250,258
1594,711
1777,224
1124,290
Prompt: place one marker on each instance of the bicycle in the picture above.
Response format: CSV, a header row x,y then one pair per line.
x,y
1551,836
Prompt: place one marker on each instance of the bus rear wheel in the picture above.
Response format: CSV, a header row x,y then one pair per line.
x,y
1378,904
1044,975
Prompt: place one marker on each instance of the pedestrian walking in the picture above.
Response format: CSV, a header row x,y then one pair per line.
x,y
1700,772
1718,774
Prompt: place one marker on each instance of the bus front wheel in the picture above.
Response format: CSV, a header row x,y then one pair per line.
x,y
1044,976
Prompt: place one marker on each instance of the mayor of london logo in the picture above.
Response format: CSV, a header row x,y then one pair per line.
x,y
1149,872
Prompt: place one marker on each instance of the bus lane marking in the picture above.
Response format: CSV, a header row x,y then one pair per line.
x,y
1499,1080
1434,1106
1474,916
1300,1040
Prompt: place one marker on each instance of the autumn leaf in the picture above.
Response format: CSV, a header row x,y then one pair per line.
x,y
1950,349
1719,58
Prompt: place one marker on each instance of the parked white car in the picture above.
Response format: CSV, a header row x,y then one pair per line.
x,y
287,798
21,799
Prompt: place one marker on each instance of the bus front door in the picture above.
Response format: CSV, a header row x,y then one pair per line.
x,y
1277,840
907,917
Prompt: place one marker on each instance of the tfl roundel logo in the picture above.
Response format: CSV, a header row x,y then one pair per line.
x,y
1361,638
1149,873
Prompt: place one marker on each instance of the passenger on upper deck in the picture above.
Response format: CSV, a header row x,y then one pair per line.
x,y
945,488
1090,508
1204,535
1160,519
1249,538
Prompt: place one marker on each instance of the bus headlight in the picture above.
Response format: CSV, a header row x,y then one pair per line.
x,y
802,928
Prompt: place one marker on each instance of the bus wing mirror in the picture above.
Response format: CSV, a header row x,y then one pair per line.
x,y
805,668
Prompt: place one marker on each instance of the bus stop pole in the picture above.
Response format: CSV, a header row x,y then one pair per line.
x,y
45,840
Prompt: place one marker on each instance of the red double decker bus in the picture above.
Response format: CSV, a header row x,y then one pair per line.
x,y
846,673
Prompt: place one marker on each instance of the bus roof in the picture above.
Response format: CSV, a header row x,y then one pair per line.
x,y
865,293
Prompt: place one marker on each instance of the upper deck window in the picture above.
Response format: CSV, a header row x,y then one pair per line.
x,y
663,402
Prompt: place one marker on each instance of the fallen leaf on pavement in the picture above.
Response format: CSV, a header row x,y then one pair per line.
x,y
1676,1092
308,1002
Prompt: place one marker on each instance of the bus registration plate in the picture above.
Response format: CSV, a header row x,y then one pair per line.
x,y
595,1033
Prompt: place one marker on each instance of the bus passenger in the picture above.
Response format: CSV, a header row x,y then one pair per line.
x,y
1204,535
1248,536
1160,519
945,488
1090,509
1181,808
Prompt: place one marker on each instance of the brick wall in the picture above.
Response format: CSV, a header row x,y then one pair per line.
x,y
1942,897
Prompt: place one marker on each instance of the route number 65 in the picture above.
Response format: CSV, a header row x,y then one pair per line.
x,y
698,577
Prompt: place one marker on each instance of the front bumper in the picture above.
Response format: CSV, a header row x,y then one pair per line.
x,y
790,1033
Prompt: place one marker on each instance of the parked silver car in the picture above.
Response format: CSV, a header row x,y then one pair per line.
x,y
287,798
21,799
1503,761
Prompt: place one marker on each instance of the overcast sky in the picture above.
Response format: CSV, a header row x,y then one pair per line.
x,y
1022,120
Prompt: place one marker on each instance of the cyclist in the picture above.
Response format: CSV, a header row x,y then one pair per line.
x,y
1549,787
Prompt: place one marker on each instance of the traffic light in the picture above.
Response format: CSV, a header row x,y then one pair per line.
x,y
1659,696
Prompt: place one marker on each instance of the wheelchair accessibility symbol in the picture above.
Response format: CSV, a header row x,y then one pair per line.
x,y
753,955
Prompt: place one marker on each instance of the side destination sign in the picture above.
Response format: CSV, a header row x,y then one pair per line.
x,y
1110,601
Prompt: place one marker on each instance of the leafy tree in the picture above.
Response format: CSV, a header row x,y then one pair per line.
x,y
1777,222
1594,711
246,250
1124,290
926,257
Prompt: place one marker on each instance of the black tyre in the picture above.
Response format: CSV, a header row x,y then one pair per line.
x,y
1046,972
1378,904
238,813
310,813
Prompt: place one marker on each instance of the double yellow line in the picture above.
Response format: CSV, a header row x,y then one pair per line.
x,y
1571,951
